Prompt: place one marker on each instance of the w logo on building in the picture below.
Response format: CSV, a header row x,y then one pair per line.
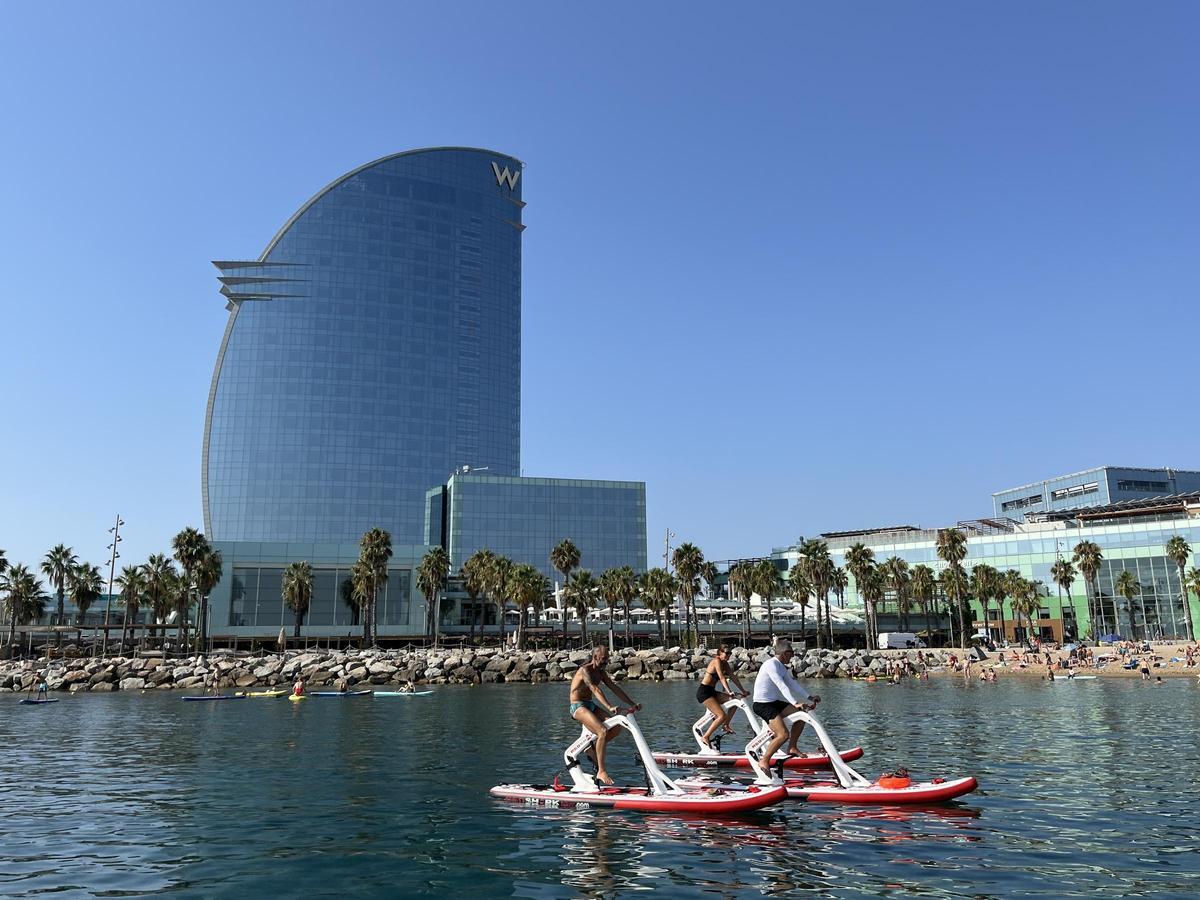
x,y
504,176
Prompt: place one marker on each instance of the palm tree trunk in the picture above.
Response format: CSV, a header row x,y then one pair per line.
x,y
820,627
804,624
770,621
1187,609
583,636
658,617
746,624
124,626
628,641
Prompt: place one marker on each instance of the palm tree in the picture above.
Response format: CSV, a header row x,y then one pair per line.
x,y
565,557
983,586
658,590
581,591
860,558
432,575
354,591
768,585
629,592
954,586
207,576
1191,583
374,551
1087,557
609,587
1008,585
799,589
921,585
85,587
499,568
871,587
838,582
132,583
1178,550
952,548
1063,574
474,574
525,588
297,589
895,573
24,599
688,561
1024,600
160,575
815,559
741,583
57,568
190,547
1126,584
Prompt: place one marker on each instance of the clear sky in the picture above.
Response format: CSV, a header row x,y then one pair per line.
x,y
800,267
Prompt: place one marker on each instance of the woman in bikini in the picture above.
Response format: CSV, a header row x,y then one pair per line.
x,y
718,671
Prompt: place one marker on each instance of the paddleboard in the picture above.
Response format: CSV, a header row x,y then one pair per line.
x,y
403,693
38,702
261,694
639,798
339,693
1058,678
214,698
738,760
822,789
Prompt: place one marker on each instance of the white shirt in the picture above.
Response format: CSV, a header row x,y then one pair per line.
x,y
775,682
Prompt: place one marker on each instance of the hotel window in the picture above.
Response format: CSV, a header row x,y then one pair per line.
x,y
1160,486
1021,502
1075,490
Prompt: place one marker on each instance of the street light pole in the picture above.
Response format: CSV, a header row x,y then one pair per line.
x,y
115,531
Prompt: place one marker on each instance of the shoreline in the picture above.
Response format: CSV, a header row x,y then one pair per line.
x,y
491,665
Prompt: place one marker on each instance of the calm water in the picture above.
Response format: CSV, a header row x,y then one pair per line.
x,y
1086,788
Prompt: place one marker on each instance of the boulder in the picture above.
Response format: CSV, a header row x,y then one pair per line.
x,y
79,687
132,684
190,681
103,686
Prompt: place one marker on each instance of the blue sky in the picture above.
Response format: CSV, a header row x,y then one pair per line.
x,y
802,267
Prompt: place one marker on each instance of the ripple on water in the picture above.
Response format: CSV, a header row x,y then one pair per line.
x,y
141,794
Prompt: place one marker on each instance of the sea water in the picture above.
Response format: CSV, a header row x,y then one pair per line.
x,y
1085,787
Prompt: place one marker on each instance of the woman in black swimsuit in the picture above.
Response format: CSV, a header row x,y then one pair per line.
x,y
718,671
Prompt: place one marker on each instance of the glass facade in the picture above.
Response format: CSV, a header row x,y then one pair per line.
x,y
524,518
248,601
373,348
1032,549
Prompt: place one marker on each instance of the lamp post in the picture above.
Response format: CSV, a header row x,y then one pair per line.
x,y
115,531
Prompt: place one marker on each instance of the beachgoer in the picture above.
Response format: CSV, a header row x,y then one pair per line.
x,y
408,688
341,685
298,687
588,701
1145,671
1158,679
777,695
719,671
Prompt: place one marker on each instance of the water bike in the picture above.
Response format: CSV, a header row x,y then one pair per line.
x,y
403,693
31,702
660,794
846,786
213,697
712,757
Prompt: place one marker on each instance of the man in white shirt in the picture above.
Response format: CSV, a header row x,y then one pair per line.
x,y
777,695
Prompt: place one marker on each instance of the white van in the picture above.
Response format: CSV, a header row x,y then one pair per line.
x,y
900,640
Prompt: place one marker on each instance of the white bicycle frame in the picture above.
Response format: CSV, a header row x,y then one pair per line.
x,y
846,776
659,783
702,724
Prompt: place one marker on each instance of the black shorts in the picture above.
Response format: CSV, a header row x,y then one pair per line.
x,y
705,692
768,711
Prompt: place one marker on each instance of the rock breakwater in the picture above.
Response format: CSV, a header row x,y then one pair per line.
x,y
364,669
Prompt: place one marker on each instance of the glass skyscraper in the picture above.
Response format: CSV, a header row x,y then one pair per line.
x,y
372,349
